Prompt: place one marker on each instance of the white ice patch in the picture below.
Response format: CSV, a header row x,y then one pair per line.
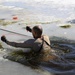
x,y
10,7
65,32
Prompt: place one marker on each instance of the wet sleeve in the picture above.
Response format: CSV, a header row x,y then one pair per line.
x,y
37,46
26,44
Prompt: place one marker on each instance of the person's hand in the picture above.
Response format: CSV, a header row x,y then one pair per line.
x,y
28,29
3,38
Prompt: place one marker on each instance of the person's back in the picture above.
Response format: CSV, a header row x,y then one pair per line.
x,y
43,43
46,52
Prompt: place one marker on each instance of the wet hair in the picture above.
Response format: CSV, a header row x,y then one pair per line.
x,y
38,30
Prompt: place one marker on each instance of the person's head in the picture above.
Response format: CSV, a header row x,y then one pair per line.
x,y
37,31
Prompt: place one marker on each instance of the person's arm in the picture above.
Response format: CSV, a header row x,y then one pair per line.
x,y
26,44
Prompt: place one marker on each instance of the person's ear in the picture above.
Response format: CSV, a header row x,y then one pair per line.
x,y
35,33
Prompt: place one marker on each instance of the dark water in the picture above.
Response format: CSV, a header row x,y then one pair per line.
x,y
64,64
65,49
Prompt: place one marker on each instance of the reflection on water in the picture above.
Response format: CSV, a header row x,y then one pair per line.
x,y
65,49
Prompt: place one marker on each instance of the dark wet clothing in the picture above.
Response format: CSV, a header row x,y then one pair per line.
x,y
33,44
38,46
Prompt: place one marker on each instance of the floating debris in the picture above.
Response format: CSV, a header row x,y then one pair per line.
x,y
15,18
65,26
71,21
40,22
6,22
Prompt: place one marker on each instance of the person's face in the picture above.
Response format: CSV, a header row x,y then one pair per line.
x,y
33,33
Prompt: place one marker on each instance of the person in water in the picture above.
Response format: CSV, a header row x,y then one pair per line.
x,y
40,44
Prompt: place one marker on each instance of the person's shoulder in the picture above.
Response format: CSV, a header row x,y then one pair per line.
x,y
30,40
45,36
